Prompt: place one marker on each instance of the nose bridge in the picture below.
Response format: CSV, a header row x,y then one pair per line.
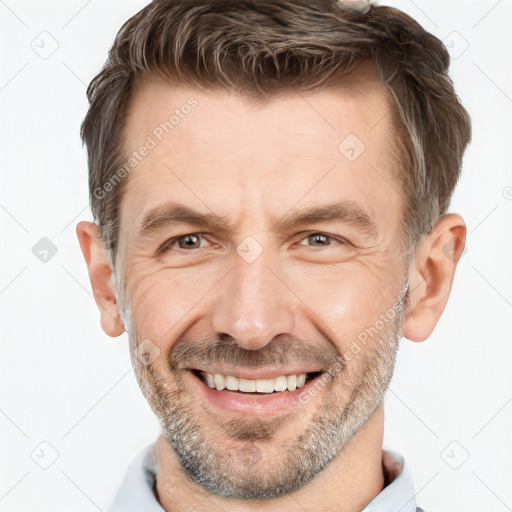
x,y
254,306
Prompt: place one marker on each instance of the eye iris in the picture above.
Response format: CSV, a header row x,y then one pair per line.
x,y
319,237
188,242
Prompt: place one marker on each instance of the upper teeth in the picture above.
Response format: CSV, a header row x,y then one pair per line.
x,y
219,381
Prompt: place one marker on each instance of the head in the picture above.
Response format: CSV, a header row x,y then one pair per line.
x,y
270,184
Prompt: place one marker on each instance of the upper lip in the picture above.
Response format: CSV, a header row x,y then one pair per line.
x,y
262,373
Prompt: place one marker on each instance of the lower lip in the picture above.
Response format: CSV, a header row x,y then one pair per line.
x,y
246,404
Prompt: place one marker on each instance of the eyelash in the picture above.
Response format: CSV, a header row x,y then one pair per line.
x,y
168,243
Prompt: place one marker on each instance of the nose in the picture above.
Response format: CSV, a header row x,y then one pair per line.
x,y
254,305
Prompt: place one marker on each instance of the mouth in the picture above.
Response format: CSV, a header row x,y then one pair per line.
x,y
261,386
271,396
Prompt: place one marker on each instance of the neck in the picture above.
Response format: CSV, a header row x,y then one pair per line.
x,y
350,481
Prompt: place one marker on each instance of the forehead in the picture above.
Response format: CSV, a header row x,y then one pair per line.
x,y
222,152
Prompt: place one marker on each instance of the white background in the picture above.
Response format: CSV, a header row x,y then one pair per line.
x,y
66,383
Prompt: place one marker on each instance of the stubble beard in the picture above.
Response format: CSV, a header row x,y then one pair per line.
x,y
237,458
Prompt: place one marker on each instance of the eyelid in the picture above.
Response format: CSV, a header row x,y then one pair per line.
x,y
170,241
336,238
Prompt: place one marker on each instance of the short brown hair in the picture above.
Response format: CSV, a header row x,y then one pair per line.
x,y
264,47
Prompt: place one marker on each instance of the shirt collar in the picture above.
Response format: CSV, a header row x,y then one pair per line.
x,y
398,494
137,492
138,489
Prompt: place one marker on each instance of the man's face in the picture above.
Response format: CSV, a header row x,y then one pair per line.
x,y
262,291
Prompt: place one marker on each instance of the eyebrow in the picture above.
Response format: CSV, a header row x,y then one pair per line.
x,y
172,214
160,217
346,211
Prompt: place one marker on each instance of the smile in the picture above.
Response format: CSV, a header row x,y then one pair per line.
x,y
222,393
220,382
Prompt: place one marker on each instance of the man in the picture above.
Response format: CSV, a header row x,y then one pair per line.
x,y
270,181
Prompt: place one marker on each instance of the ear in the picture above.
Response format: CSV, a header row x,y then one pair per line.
x,y
100,273
431,276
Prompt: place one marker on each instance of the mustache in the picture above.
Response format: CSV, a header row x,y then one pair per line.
x,y
279,352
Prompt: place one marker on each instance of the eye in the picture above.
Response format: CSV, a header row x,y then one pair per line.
x,y
184,242
321,240
190,241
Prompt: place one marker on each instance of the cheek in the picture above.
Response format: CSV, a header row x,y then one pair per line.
x,y
348,299
163,301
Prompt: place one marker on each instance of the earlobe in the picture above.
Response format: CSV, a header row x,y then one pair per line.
x,y
100,273
431,276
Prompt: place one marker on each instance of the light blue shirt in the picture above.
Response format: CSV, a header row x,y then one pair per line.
x,y
137,491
